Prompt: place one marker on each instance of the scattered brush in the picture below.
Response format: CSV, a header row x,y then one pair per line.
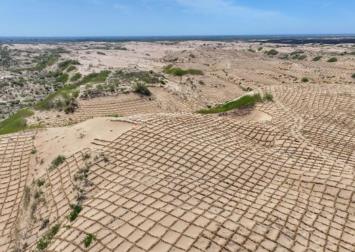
x,y
353,76
75,77
64,64
317,58
305,79
96,77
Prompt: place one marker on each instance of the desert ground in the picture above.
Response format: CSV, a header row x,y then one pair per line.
x,y
177,146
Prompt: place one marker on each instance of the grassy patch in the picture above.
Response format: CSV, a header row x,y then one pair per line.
x,y
89,238
177,71
95,77
142,89
43,243
333,59
71,68
57,162
62,77
317,58
242,102
15,122
59,99
76,209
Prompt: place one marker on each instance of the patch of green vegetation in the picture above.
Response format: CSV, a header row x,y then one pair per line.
x,y
71,68
60,99
62,77
353,76
64,64
317,58
177,71
76,209
75,77
138,76
57,162
96,77
142,89
46,60
26,197
15,122
272,52
40,182
333,59
88,240
305,79
43,243
242,102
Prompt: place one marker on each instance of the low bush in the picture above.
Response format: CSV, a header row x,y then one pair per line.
x,y
317,58
272,52
177,71
142,89
305,79
353,76
57,162
95,77
88,240
64,64
333,59
76,209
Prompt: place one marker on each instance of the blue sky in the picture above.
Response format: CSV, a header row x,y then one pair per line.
x,y
174,17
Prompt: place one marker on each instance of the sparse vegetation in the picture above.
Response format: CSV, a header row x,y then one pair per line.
x,y
15,122
26,196
177,71
317,58
88,240
64,64
40,182
46,60
305,79
242,102
76,209
353,76
57,162
142,89
333,59
46,239
95,77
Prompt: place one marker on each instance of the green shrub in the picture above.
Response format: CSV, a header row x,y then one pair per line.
x,y
76,209
317,58
305,79
142,89
57,162
62,77
88,240
353,76
333,59
15,122
177,71
59,99
75,77
268,97
272,52
43,243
